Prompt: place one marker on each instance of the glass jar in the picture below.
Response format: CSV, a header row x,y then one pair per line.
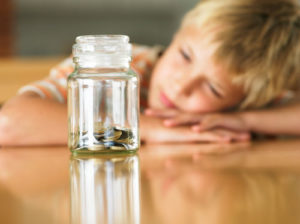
x,y
103,96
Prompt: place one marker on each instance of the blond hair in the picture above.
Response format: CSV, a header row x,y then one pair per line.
x,y
257,40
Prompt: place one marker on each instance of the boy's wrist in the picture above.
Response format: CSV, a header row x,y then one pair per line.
x,y
248,118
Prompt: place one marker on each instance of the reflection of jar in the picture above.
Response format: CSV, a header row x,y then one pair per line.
x,y
105,190
103,98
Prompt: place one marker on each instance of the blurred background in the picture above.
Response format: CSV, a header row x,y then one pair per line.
x,y
48,28
35,35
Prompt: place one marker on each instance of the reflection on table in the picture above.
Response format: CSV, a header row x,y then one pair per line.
x,y
256,182
105,189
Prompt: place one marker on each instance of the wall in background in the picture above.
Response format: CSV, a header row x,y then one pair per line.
x,y
46,28
6,28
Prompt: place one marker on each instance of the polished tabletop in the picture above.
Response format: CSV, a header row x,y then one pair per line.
x,y
256,182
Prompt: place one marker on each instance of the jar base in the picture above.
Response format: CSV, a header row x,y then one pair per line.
x,y
87,150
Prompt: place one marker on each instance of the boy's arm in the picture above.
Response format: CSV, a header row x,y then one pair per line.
x,y
275,121
28,119
278,120
38,114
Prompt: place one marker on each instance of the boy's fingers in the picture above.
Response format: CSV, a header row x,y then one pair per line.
x,y
224,121
161,113
228,136
185,135
235,136
182,134
213,137
207,124
182,120
244,136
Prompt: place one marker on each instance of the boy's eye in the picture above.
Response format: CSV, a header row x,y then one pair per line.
x,y
185,55
214,91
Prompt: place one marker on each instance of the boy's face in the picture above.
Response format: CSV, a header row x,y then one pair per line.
x,y
186,77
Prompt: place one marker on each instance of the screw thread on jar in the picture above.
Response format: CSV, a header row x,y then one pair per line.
x,y
105,51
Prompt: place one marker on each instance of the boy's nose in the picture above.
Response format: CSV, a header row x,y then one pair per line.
x,y
186,86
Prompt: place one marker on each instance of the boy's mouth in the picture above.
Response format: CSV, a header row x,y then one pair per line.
x,y
166,101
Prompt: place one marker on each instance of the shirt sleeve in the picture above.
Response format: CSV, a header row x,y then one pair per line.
x,y
55,85
143,61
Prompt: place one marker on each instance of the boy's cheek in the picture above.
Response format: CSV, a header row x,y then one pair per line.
x,y
198,105
153,97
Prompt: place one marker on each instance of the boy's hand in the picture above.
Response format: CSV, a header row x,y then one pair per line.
x,y
153,130
202,122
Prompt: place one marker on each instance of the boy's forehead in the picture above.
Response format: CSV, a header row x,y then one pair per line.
x,y
199,41
196,35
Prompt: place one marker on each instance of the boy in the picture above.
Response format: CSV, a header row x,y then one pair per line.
x,y
230,55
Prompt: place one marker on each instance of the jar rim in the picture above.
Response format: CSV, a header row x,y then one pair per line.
x,y
102,37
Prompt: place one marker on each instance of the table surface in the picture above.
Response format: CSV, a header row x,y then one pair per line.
x,y
256,182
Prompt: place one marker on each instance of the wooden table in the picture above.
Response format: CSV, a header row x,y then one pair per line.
x,y
17,72
253,183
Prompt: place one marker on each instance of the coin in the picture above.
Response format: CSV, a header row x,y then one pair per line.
x,y
125,134
110,138
125,141
109,144
117,148
112,135
96,147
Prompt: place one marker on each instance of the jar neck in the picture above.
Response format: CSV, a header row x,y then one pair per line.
x,y
89,61
99,70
